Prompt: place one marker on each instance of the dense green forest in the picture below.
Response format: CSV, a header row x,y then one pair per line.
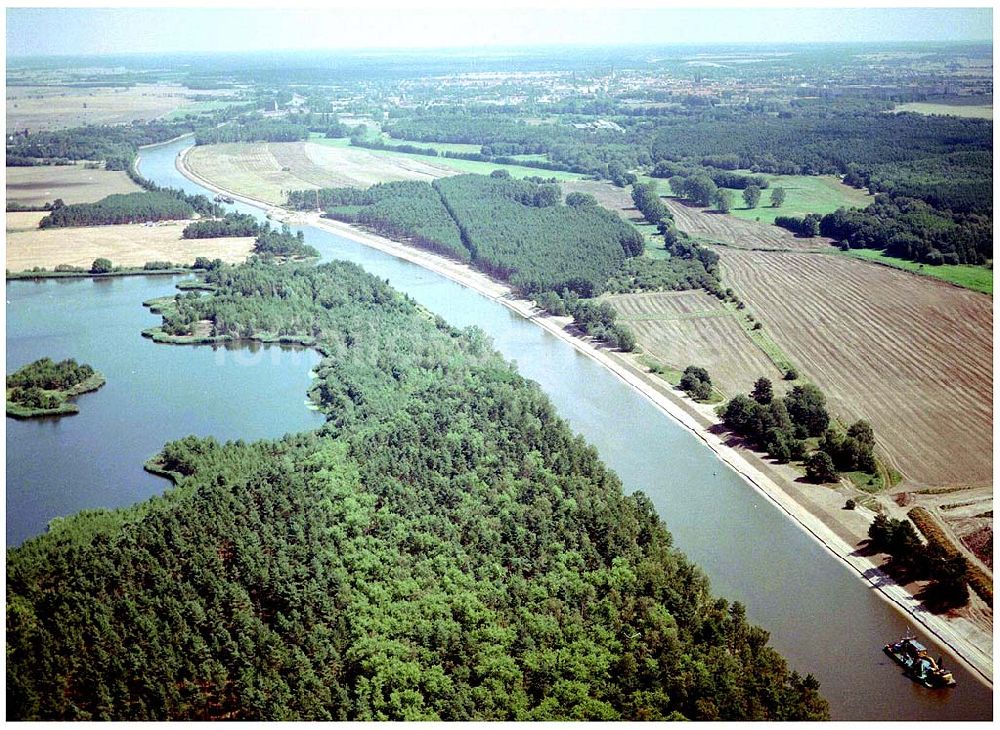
x,y
913,229
518,231
409,210
960,182
114,144
283,243
945,162
232,224
120,208
444,548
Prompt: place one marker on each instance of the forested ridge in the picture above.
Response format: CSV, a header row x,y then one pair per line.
x,y
444,548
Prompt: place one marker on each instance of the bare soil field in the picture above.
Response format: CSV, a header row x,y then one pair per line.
x,y
266,171
40,108
71,183
699,223
967,517
911,355
126,245
695,328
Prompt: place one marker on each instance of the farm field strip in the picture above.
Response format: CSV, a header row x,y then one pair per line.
x,y
124,245
726,229
976,278
694,328
258,169
978,111
71,183
57,107
451,166
912,356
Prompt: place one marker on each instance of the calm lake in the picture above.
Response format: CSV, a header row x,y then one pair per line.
x,y
821,617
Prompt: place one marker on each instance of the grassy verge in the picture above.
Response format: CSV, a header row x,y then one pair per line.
x,y
977,278
763,341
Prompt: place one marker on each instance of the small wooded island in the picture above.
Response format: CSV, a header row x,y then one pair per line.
x,y
44,387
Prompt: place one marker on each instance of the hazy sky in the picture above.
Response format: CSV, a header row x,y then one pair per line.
x,y
47,31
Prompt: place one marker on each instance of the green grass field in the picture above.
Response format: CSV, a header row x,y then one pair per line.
x,y
978,111
977,278
439,146
803,194
470,166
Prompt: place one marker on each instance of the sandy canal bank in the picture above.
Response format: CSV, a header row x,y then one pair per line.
x,y
971,641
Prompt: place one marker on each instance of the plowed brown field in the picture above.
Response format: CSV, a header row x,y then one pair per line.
x,y
911,355
695,328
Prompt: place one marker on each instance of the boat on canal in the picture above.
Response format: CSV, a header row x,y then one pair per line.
x,y
918,664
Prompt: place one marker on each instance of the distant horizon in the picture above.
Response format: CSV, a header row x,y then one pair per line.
x,y
73,32
495,50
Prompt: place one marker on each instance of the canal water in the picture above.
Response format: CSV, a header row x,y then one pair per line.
x,y
821,617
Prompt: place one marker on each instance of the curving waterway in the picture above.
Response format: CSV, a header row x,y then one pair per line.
x,y
820,616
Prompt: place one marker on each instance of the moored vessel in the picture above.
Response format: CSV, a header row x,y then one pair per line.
x,y
918,664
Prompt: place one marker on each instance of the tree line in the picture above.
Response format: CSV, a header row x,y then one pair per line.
x,y
252,130
120,208
283,244
781,426
912,229
115,144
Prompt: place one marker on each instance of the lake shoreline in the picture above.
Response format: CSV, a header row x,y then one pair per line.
x,y
39,275
967,641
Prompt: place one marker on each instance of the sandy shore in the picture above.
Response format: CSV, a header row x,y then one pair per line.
x,y
967,640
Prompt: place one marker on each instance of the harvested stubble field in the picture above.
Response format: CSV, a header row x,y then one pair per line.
x,y
40,108
694,328
731,231
911,355
125,245
699,222
258,169
71,183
